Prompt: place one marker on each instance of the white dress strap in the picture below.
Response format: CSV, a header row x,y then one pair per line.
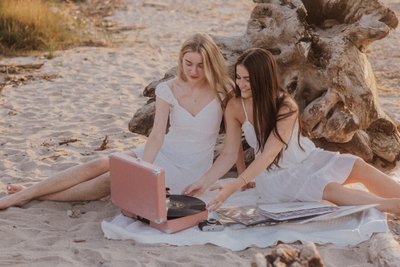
x,y
244,109
164,91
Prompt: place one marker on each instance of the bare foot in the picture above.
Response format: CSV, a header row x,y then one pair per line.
x,y
14,188
11,201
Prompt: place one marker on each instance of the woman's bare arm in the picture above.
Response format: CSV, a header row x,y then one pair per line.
x,y
156,137
272,148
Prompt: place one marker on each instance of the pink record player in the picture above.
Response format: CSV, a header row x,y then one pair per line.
x,y
138,189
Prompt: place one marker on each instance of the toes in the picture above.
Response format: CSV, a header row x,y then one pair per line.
x,y
14,188
9,188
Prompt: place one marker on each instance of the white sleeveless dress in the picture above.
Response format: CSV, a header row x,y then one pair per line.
x,y
188,148
303,174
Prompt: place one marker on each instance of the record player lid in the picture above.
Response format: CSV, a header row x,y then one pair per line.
x,y
138,187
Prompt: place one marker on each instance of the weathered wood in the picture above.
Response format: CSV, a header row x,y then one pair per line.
x,y
288,256
149,89
320,47
17,69
384,250
142,121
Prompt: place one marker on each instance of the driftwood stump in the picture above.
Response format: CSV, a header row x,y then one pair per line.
x,y
288,256
320,46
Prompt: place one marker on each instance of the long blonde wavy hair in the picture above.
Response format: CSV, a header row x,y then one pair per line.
x,y
215,68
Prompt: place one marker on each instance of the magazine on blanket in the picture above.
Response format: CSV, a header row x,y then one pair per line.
x,y
298,212
295,210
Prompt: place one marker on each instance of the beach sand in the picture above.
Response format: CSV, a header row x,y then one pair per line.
x,y
61,117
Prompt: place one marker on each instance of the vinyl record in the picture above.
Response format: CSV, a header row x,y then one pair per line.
x,y
181,205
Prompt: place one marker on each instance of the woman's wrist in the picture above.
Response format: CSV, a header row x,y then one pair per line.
x,y
206,181
243,179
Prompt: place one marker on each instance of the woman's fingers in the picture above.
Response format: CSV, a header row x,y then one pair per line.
x,y
191,190
216,187
218,200
187,191
249,185
214,205
226,191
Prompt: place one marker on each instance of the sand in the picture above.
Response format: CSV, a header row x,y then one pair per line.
x,y
61,116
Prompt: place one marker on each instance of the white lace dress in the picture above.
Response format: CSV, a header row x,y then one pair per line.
x,y
188,148
303,174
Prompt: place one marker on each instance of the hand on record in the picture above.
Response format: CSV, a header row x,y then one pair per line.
x,y
195,189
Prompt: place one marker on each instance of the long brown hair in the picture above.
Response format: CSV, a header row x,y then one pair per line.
x,y
267,93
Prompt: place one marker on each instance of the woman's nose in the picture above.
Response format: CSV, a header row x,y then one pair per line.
x,y
194,70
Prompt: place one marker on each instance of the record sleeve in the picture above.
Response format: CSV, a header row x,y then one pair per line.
x,y
296,212
246,215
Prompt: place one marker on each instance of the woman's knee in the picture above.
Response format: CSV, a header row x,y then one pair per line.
x,y
105,184
330,190
101,184
100,164
358,172
359,163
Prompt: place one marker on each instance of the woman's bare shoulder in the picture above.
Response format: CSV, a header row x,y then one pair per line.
x,y
289,105
234,109
172,82
234,104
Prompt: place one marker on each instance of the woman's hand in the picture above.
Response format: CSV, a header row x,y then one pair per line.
x,y
195,189
226,191
249,185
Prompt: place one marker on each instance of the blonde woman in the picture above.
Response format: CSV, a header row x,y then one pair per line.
x,y
193,102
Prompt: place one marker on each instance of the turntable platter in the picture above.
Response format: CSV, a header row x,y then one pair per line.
x,y
181,206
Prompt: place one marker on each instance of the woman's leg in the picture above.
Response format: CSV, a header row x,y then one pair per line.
x,y
57,183
374,180
341,195
93,189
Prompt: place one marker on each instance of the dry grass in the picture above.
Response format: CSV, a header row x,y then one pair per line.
x,y
27,25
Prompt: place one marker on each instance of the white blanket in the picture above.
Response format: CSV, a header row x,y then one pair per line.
x,y
348,230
